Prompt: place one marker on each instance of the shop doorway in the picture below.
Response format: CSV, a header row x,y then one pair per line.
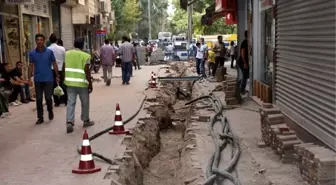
x,y
9,40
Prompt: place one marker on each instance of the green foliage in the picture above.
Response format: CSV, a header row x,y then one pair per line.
x,y
127,15
179,21
158,18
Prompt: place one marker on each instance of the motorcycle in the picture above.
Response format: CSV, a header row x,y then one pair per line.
x,y
95,62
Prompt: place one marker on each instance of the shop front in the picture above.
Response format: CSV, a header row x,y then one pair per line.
x,y
305,65
36,19
9,34
262,28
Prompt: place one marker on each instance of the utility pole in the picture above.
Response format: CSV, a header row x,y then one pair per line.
x,y
190,24
149,21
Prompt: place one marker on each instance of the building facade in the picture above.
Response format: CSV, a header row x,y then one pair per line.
x,y
305,66
92,20
10,36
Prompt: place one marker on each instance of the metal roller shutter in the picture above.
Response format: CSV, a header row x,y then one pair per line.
x,y
305,65
67,33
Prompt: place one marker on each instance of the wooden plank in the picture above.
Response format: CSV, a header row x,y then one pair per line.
x,y
254,87
258,89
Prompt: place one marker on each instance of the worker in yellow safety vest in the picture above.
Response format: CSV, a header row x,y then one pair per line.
x,y
78,82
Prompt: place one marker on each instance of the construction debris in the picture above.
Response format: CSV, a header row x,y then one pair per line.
x,y
317,164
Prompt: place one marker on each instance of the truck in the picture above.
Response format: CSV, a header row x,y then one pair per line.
x,y
165,36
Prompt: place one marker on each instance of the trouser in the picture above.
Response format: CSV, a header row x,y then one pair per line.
x,y
126,70
23,91
218,61
210,66
246,74
232,60
84,97
59,99
107,72
137,64
47,89
198,65
3,103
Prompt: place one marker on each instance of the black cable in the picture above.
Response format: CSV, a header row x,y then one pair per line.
x,y
110,161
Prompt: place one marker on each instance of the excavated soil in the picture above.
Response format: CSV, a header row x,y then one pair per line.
x,y
158,153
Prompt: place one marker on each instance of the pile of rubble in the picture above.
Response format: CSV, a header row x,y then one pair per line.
x,y
230,85
276,134
317,164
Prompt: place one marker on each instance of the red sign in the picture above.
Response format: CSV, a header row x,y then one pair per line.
x,y
101,31
231,18
225,5
265,4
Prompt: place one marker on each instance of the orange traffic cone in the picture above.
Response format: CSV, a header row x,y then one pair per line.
x,y
152,83
86,163
118,127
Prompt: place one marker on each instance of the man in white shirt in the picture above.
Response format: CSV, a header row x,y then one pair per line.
x,y
59,53
169,50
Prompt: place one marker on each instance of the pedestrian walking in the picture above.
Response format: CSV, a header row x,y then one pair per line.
x,y
243,63
232,53
220,52
127,53
211,60
59,53
107,58
40,61
137,63
78,82
205,53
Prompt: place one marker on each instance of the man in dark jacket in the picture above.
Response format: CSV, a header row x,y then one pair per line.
x,y
244,63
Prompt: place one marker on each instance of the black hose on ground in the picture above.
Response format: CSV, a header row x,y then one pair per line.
x,y
107,160
213,173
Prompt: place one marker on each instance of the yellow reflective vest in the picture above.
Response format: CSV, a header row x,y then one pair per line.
x,y
75,61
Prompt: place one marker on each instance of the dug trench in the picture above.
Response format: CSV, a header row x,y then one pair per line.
x,y
158,152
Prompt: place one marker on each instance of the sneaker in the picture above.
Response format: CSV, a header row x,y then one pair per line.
x,y
14,104
39,121
88,123
51,115
69,127
17,102
108,83
127,83
30,99
24,101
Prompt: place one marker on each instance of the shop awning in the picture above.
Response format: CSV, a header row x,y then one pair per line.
x,y
232,37
222,8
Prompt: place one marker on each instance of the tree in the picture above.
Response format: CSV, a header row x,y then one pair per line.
x,y
159,16
130,16
127,14
179,22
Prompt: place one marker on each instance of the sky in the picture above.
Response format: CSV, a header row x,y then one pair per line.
x,y
170,9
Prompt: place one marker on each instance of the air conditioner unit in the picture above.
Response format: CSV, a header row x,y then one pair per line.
x,y
102,7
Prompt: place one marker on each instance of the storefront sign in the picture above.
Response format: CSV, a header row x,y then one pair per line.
x,y
225,5
265,4
231,18
101,32
19,2
219,5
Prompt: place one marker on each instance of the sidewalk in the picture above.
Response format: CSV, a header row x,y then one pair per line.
x,y
256,166
45,154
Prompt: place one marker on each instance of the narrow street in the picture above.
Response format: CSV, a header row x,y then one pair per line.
x,y
45,155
